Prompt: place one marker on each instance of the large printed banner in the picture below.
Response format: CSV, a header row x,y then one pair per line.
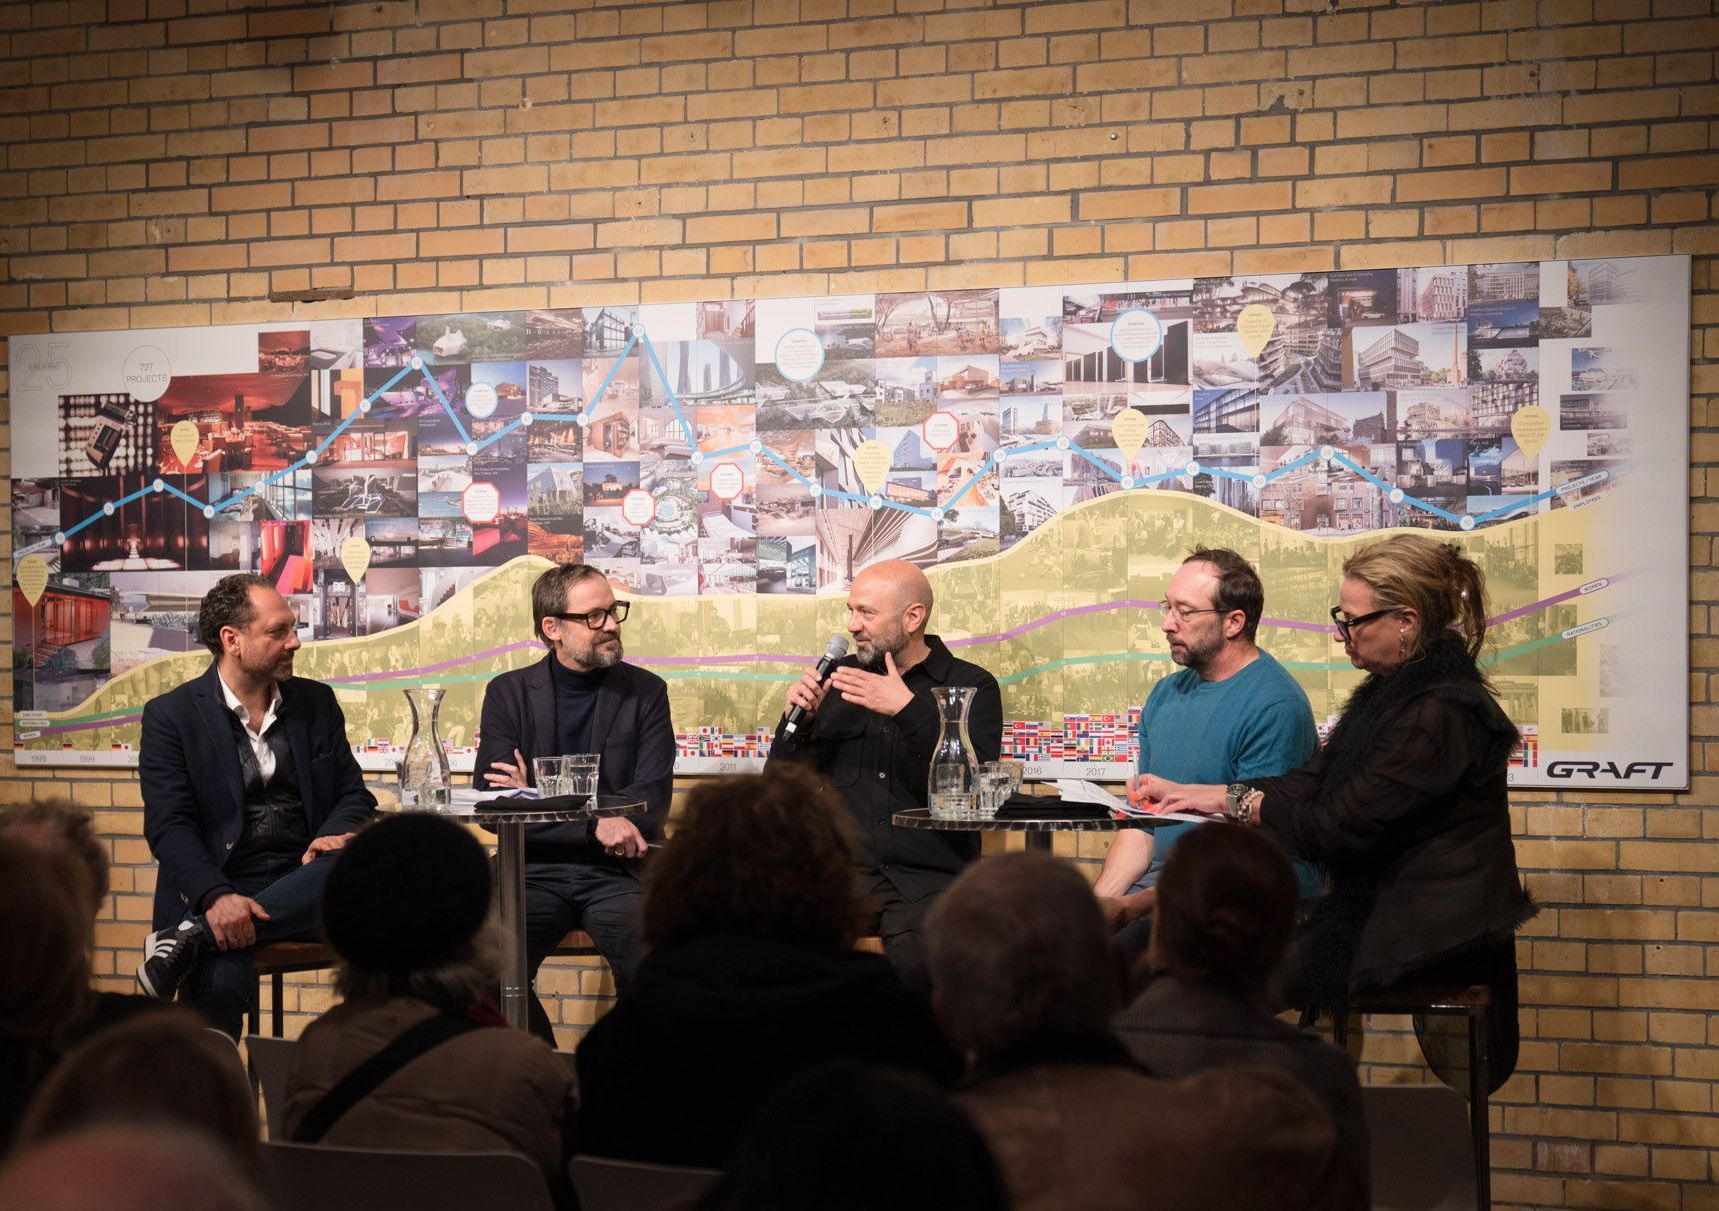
x,y
1047,454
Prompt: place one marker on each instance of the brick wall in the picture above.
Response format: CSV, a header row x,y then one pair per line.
x,y
175,162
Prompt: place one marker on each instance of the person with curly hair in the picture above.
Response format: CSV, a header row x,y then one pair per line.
x,y
750,916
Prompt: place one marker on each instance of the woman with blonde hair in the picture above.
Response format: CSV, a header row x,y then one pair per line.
x,y
1406,805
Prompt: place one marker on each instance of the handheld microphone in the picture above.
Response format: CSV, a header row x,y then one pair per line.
x,y
833,653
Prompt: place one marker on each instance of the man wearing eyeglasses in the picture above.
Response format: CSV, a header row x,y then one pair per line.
x,y
581,698
1230,713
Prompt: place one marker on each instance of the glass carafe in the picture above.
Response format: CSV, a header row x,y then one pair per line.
x,y
426,782
953,777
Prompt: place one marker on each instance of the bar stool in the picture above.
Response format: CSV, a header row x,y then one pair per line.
x,y
1471,1002
276,960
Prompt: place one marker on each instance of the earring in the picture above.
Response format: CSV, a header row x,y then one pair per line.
x,y
1402,643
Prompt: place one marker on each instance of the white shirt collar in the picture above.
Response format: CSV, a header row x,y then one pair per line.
x,y
238,708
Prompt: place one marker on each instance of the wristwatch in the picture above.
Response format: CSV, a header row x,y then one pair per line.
x,y
1241,801
1234,793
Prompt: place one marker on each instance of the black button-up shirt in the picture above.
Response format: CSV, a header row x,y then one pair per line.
x,y
879,765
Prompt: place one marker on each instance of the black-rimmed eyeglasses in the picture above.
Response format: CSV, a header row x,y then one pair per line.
x,y
1183,613
1346,625
595,619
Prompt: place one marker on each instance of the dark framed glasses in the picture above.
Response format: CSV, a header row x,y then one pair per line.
x,y
1346,625
595,619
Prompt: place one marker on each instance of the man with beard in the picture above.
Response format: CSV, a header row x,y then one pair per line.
x,y
1231,713
248,785
870,731
581,698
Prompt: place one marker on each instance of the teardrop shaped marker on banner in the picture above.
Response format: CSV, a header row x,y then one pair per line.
x,y
1531,426
871,461
355,558
31,577
1255,325
1129,430
184,438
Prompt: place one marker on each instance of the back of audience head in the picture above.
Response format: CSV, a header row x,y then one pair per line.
x,y
759,854
1225,910
57,824
127,1167
407,910
46,932
1019,952
158,1069
820,1138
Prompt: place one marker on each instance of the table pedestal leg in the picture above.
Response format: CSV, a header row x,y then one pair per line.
x,y
1037,840
510,898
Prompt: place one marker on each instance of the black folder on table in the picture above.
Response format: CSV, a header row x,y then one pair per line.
x,y
1049,807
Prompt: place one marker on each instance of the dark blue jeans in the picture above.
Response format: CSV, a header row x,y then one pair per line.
x,y
600,898
224,984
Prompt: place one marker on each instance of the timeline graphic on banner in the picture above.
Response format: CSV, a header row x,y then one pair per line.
x,y
1048,454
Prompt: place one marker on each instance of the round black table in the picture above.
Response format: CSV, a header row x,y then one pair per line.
x,y
1037,830
508,817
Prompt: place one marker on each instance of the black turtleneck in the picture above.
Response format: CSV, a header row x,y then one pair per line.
x,y
575,706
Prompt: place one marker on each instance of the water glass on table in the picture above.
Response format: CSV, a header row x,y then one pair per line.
x,y
996,784
550,774
579,772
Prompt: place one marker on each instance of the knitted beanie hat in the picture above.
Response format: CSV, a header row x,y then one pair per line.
x,y
406,893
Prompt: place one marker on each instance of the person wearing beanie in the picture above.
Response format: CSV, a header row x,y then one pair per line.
x,y
407,909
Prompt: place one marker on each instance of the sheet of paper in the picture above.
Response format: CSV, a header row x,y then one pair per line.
x,y
1076,790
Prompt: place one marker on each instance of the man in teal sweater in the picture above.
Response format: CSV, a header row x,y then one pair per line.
x,y
1229,714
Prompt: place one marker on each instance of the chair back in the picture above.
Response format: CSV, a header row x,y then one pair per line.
x,y
271,1066
320,1177
614,1185
1423,1155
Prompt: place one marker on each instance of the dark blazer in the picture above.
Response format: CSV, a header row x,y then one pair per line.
x,y
194,790
631,730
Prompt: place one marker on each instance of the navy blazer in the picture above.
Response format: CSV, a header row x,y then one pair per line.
x,y
631,730
194,788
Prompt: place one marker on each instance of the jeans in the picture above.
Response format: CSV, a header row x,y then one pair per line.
x,y
599,898
223,985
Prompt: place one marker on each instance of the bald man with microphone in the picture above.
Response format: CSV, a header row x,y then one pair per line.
x,y
867,724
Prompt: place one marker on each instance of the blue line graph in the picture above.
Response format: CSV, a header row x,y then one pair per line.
x,y
1327,454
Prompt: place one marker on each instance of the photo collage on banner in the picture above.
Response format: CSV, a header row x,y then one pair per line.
x,y
1047,454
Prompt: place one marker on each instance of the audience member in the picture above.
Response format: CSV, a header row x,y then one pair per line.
x,y
407,910
58,825
127,1168
751,914
1226,909
1025,982
161,1068
46,929
817,1142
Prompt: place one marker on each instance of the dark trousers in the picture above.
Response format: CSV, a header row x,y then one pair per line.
x,y
599,898
899,920
222,986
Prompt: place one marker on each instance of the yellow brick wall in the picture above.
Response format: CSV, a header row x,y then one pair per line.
x,y
176,162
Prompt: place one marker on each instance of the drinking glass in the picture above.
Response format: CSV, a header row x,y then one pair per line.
x,y
579,773
995,783
551,775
